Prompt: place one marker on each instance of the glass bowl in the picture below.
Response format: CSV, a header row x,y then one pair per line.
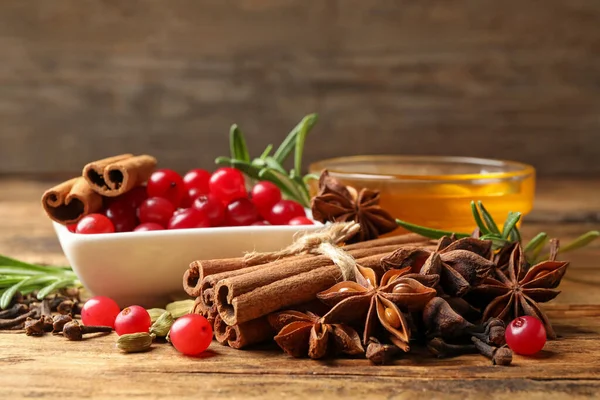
x,y
436,191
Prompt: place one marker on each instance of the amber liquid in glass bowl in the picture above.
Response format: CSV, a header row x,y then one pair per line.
x,y
437,191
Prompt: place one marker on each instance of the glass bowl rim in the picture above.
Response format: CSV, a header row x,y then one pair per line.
x,y
520,170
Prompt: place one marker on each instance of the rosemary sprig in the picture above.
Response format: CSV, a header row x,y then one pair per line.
x,y
510,233
18,276
270,167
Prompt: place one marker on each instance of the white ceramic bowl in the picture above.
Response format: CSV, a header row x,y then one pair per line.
x,y
146,268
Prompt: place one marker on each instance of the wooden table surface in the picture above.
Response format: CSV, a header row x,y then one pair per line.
x,y
52,368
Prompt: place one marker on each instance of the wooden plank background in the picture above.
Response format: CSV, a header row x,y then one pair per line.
x,y
82,79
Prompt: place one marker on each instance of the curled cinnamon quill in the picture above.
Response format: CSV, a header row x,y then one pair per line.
x,y
116,175
68,202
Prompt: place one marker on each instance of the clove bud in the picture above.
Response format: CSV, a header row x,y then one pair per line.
x,y
498,355
379,353
69,307
11,323
34,327
438,347
59,322
15,310
73,331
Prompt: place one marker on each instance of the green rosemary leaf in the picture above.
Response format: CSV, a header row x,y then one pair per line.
x,y
247,168
429,232
237,144
497,241
310,177
286,147
510,223
223,161
272,163
11,262
489,221
266,152
59,284
300,140
515,235
477,217
580,242
287,186
538,240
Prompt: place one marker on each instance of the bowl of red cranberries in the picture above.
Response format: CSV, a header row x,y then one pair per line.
x,y
136,249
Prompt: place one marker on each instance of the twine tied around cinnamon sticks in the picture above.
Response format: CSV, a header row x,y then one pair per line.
x,y
322,242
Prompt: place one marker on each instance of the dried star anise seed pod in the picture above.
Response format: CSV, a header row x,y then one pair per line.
x,y
517,292
301,334
380,305
460,264
338,203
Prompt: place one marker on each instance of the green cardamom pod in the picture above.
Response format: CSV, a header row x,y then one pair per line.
x,y
135,342
180,308
155,313
162,325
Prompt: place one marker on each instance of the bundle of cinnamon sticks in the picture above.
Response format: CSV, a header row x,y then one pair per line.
x,y
237,294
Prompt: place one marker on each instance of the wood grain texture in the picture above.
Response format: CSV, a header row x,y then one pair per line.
x,y
32,367
83,79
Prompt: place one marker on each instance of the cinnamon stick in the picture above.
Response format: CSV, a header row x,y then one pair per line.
x,y
70,201
249,296
198,270
205,288
116,175
243,335
208,312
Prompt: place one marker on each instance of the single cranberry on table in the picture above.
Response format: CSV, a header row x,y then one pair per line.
x,y
227,184
197,179
191,334
187,219
265,195
100,311
157,210
167,184
212,207
525,335
133,319
241,212
123,217
301,221
284,210
148,226
95,223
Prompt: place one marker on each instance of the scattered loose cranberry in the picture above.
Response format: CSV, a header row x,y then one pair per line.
x,y
301,221
148,226
241,212
122,216
265,195
212,208
227,184
189,218
100,311
283,211
133,319
167,184
191,334
525,335
95,223
157,210
197,179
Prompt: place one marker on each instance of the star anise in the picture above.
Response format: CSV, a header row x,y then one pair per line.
x,y
382,304
517,291
460,264
338,203
301,334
